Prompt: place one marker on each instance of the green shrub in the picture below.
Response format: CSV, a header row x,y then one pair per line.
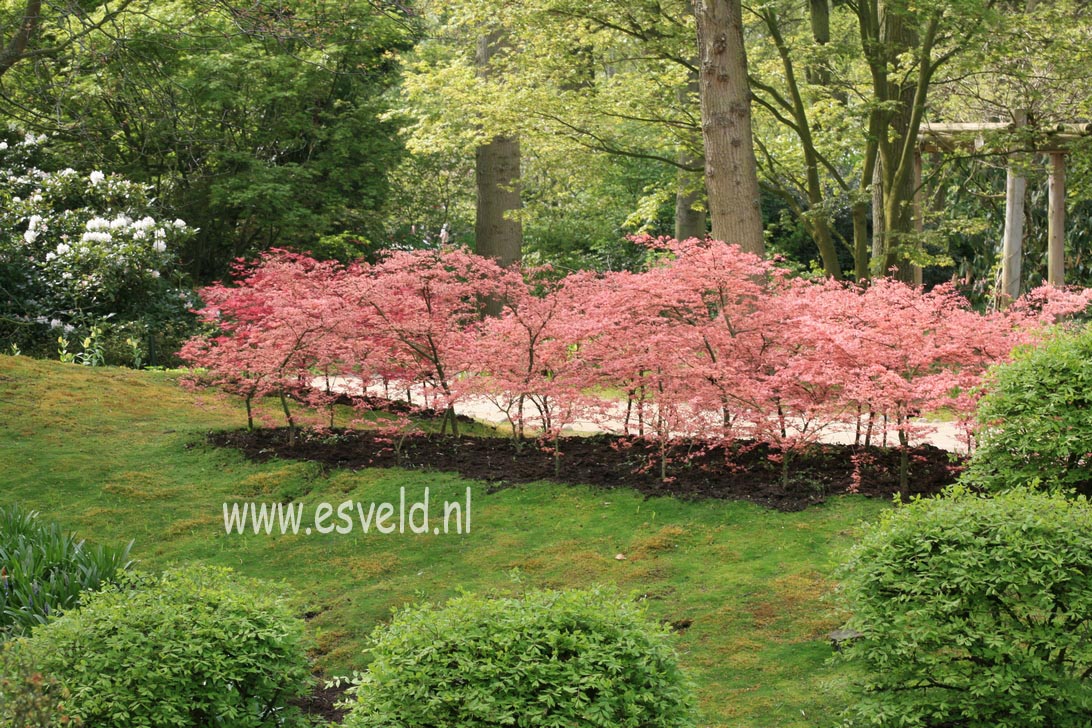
x,y
44,570
586,658
1037,417
193,648
974,611
29,699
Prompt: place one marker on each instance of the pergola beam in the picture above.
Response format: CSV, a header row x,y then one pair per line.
x,y
951,137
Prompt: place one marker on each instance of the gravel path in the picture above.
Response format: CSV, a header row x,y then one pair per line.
x,y
945,435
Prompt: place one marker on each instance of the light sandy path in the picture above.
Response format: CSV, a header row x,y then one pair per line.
x,y
944,435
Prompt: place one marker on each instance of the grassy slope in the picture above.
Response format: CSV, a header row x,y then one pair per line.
x,y
118,455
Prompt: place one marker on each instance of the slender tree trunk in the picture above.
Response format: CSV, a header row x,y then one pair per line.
x,y
879,249
498,232
689,192
291,422
731,171
817,223
21,35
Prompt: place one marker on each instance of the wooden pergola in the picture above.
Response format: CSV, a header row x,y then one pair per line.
x,y
1054,141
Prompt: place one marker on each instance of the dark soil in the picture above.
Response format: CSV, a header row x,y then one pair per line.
x,y
744,471
321,702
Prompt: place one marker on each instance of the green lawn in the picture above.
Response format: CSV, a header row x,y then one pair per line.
x,y
117,455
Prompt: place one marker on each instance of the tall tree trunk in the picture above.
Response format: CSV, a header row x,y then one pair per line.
x,y
731,171
879,249
898,40
819,11
690,214
498,232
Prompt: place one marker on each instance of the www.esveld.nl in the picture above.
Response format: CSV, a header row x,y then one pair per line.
x,y
367,517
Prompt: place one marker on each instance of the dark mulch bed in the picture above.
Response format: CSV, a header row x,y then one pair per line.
x,y
322,702
745,471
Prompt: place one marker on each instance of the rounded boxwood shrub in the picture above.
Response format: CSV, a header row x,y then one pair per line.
x,y
194,647
549,658
974,611
1037,418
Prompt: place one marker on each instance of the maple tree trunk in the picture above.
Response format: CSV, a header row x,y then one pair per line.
x,y
904,464
288,418
731,172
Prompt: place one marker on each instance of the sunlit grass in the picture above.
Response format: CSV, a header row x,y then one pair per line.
x,y
118,455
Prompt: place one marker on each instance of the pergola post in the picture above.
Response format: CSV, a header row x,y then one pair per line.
x,y
1055,141
1012,246
1056,221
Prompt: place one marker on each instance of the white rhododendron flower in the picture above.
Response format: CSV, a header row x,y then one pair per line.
x,y
62,248
30,235
159,246
96,177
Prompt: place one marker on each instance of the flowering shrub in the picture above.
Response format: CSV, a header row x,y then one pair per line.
x,y
77,248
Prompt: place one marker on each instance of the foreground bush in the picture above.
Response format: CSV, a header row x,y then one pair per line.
x,y
190,648
975,612
1038,418
584,658
29,699
44,570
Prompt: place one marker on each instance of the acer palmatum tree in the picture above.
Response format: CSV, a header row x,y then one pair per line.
x,y
275,327
422,307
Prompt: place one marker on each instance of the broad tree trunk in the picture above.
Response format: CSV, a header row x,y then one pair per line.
x,y
731,171
498,232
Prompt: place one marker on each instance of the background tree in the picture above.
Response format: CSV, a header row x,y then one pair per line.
x,y
259,123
